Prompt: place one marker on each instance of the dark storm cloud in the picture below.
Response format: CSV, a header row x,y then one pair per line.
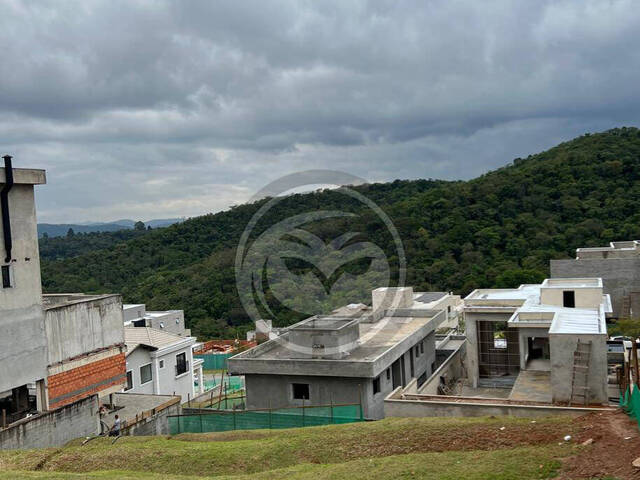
x,y
148,109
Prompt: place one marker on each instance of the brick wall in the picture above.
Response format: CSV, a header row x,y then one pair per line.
x,y
83,381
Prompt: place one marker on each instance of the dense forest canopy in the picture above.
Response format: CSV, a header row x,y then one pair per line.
x,y
498,230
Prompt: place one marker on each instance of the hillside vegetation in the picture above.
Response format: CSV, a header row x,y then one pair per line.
x,y
497,230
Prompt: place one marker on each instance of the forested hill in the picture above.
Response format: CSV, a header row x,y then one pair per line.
x,y
497,230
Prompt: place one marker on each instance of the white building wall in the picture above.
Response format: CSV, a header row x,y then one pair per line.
x,y
165,381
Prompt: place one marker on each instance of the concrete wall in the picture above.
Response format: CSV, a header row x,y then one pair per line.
x,y
153,423
79,327
171,321
23,341
275,391
451,368
54,428
585,297
164,380
620,276
396,407
562,347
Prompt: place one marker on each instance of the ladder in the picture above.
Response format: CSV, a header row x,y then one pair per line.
x,y
580,379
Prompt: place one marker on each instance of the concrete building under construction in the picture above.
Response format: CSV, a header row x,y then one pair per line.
x,y
359,354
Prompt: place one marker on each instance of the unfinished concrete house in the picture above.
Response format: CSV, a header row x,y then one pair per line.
x,y
535,350
547,342
619,267
358,354
23,344
85,347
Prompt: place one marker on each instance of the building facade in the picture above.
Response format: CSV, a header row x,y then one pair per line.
x,y
23,345
85,342
619,267
358,354
538,328
161,363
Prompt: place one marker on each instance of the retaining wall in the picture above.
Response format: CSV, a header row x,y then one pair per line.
x,y
54,428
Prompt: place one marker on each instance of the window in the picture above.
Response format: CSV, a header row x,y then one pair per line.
x,y
300,391
569,298
422,346
129,385
161,363
449,309
389,373
7,280
376,385
161,324
177,321
417,350
145,374
499,335
181,364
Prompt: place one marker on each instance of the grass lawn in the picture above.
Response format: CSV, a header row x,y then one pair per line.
x,y
432,448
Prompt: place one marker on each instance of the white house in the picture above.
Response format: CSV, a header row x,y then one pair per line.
x,y
161,363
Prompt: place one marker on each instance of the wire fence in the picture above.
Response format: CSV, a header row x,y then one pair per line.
x,y
293,417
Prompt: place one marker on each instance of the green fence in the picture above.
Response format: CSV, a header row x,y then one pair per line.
x,y
272,419
630,403
214,361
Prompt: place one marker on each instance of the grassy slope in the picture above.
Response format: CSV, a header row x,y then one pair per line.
x,y
392,448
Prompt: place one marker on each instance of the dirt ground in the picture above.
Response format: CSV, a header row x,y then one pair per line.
x,y
616,443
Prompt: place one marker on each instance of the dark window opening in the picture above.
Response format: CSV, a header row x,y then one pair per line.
x,y
376,385
129,385
422,346
389,373
411,363
181,364
145,374
300,391
569,299
6,276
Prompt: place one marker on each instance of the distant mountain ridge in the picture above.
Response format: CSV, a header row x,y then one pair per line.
x,y
61,229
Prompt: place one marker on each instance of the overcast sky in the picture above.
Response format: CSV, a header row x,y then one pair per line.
x,y
150,109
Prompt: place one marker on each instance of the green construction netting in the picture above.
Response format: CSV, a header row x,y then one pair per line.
x,y
232,384
251,419
214,361
630,403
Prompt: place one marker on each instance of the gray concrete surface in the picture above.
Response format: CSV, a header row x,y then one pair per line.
x,y
620,277
54,428
23,349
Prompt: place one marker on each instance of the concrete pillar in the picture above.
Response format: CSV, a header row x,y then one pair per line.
x,y
200,379
42,396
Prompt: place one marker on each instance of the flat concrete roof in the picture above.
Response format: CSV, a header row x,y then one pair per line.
x,y
380,344
572,283
25,176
